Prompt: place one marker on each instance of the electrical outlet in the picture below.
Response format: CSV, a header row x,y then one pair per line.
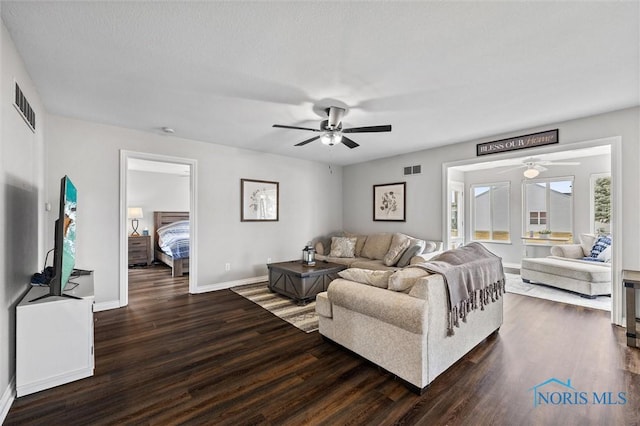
x,y
268,260
227,266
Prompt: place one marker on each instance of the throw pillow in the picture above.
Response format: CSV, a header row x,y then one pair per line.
x,y
416,247
359,244
602,242
586,241
430,246
405,278
376,246
342,247
605,255
399,244
366,276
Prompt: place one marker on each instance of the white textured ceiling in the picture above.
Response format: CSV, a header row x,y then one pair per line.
x,y
224,72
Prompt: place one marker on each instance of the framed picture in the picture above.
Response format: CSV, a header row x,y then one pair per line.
x,y
390,202
260,200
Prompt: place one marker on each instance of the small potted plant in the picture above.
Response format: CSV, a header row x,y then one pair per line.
x,y
544,233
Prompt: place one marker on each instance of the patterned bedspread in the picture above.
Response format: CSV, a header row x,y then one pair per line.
x,y
173,239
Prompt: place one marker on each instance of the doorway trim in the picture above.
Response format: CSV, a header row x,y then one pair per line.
x,y
193,217
615,143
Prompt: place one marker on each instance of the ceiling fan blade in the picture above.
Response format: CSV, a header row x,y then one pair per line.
x,y
294,127
510,169
560,163
366,129
307,141
348,142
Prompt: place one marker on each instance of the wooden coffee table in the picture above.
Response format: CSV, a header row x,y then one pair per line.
x,y
300,282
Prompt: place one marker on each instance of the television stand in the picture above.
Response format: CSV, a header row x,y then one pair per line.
x,y
54,337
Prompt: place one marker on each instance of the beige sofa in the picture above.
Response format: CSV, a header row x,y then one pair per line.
x,y
403,327
566,269
380,251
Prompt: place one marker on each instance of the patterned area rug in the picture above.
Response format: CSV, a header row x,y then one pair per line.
x,y
515,285
302,317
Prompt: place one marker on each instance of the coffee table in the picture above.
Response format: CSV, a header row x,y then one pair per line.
x,y
301,282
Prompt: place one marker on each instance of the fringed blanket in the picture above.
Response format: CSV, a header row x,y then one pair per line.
x,y
473,275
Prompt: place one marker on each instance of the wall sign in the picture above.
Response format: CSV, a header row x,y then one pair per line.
x,y
520,142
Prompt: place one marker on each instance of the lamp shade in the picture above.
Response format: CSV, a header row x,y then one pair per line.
x,y
135,213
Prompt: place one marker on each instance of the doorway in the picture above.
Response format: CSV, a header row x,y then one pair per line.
x,y
138,163
498,169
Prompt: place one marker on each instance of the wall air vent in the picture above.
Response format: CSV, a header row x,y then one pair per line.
x,y
23,107
413,170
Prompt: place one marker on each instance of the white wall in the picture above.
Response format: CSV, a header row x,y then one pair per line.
x,y
21,183
310,200
156,192
424,192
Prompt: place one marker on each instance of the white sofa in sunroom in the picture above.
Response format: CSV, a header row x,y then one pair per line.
x,y
583,268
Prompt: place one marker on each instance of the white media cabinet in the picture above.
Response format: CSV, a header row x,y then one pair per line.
x,y
54,337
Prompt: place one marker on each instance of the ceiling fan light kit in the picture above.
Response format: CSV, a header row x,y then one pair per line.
x,y
332,131
531,172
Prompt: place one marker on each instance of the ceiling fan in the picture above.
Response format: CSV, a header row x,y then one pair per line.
x,y
533,166
332,132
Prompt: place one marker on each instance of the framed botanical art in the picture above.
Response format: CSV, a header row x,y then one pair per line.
x,y
389,202
260,200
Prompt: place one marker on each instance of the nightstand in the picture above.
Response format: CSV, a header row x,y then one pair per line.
x,y
140,250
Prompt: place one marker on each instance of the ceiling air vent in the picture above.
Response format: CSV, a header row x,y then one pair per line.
x,y
23,107
412,170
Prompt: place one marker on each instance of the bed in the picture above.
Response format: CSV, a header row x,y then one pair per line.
x,y
171,241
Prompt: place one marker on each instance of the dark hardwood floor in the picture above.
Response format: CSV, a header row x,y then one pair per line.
x,y
216,358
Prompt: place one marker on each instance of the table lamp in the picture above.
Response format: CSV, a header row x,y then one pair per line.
x,y
135,213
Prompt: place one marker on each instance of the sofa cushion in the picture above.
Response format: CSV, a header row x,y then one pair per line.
x,y
343,247
571,251
593,272
376,246
392,307
399,243
415,248
376,265
405,278
367,276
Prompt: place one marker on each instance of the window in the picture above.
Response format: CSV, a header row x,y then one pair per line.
x,y
548,205
601,203
490,212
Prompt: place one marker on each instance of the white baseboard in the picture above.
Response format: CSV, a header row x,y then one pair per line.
x,y
229,284
8,397
105,306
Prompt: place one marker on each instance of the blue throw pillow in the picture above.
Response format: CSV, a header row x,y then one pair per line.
x,y
602,242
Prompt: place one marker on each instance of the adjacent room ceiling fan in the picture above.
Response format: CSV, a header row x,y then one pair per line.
x,y
332,132
533,166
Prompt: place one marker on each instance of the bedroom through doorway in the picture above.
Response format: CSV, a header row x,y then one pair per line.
x,y
158,222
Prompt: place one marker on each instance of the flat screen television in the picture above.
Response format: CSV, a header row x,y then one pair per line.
x,y
64,252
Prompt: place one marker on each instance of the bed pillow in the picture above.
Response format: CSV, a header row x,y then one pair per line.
x,y
367,276
343,247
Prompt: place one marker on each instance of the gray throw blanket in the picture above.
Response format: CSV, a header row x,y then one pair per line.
x,y
473,276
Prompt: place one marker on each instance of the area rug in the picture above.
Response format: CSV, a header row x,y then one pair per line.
x,y
302,317
515,285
